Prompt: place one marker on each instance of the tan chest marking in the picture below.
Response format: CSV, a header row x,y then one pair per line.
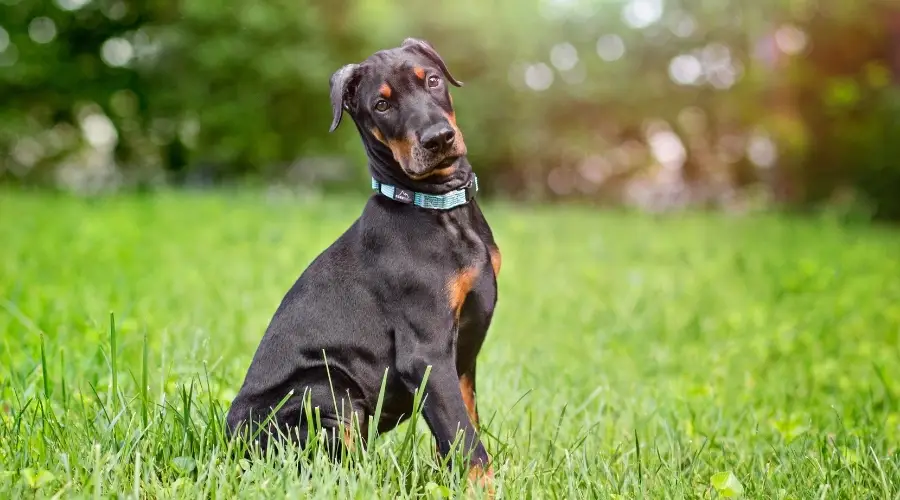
x,y
495,260
459,286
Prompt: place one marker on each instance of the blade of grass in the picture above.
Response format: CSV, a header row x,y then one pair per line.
x,y
62,380
114,369
145,401
374,420
45,370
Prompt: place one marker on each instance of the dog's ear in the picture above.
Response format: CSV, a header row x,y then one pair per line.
x,y
341,82
428,51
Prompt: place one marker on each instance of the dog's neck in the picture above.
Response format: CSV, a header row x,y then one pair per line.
x,y
385,169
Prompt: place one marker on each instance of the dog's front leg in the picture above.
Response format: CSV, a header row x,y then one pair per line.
x,y
444,408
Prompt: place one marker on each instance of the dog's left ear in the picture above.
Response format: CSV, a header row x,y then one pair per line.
x,y
428,51
341,81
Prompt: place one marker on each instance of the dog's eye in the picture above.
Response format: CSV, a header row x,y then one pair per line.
x,y
382,105
433,81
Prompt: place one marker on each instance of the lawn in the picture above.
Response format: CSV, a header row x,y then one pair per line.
x,y
689,356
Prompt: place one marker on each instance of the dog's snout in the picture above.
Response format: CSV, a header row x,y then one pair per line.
x,y
438,138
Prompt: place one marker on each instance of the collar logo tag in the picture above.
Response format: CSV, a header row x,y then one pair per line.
x,y
403,195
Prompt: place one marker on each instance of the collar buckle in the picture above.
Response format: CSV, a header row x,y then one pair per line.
x,y
471,187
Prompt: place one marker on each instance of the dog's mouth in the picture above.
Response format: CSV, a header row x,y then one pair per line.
x,y
447,162
443,168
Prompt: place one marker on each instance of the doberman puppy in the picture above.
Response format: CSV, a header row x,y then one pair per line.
x,y
411,284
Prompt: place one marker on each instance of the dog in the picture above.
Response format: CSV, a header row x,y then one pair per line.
x,y
411,284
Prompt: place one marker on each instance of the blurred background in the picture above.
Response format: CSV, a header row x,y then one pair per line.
x,y
655,104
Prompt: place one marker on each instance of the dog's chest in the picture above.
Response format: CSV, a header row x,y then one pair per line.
x,y
475,315
473,284
471,258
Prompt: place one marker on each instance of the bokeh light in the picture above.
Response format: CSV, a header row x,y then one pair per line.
x,y
755,97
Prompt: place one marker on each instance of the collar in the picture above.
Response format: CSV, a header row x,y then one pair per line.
x,y
434,201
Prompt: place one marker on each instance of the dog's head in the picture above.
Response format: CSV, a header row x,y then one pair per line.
x,y
400,97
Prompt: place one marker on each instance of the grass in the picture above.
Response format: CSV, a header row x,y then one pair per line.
x,y
692,356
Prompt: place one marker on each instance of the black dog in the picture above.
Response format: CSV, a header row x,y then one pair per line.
x,y
412,283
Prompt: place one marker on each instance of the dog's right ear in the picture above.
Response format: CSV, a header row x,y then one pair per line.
x,y
428,51
341,82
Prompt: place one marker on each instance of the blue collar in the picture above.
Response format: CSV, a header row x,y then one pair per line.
x,y
435,201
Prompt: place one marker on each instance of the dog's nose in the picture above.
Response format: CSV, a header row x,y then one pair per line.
x,y
438,138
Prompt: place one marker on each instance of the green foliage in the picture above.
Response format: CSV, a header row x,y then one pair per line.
x,y
652,358
727,485
205,92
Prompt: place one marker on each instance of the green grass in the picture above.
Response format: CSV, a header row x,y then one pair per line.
x,y
631,356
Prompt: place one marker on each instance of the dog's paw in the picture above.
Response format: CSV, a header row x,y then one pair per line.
x,y
482,477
